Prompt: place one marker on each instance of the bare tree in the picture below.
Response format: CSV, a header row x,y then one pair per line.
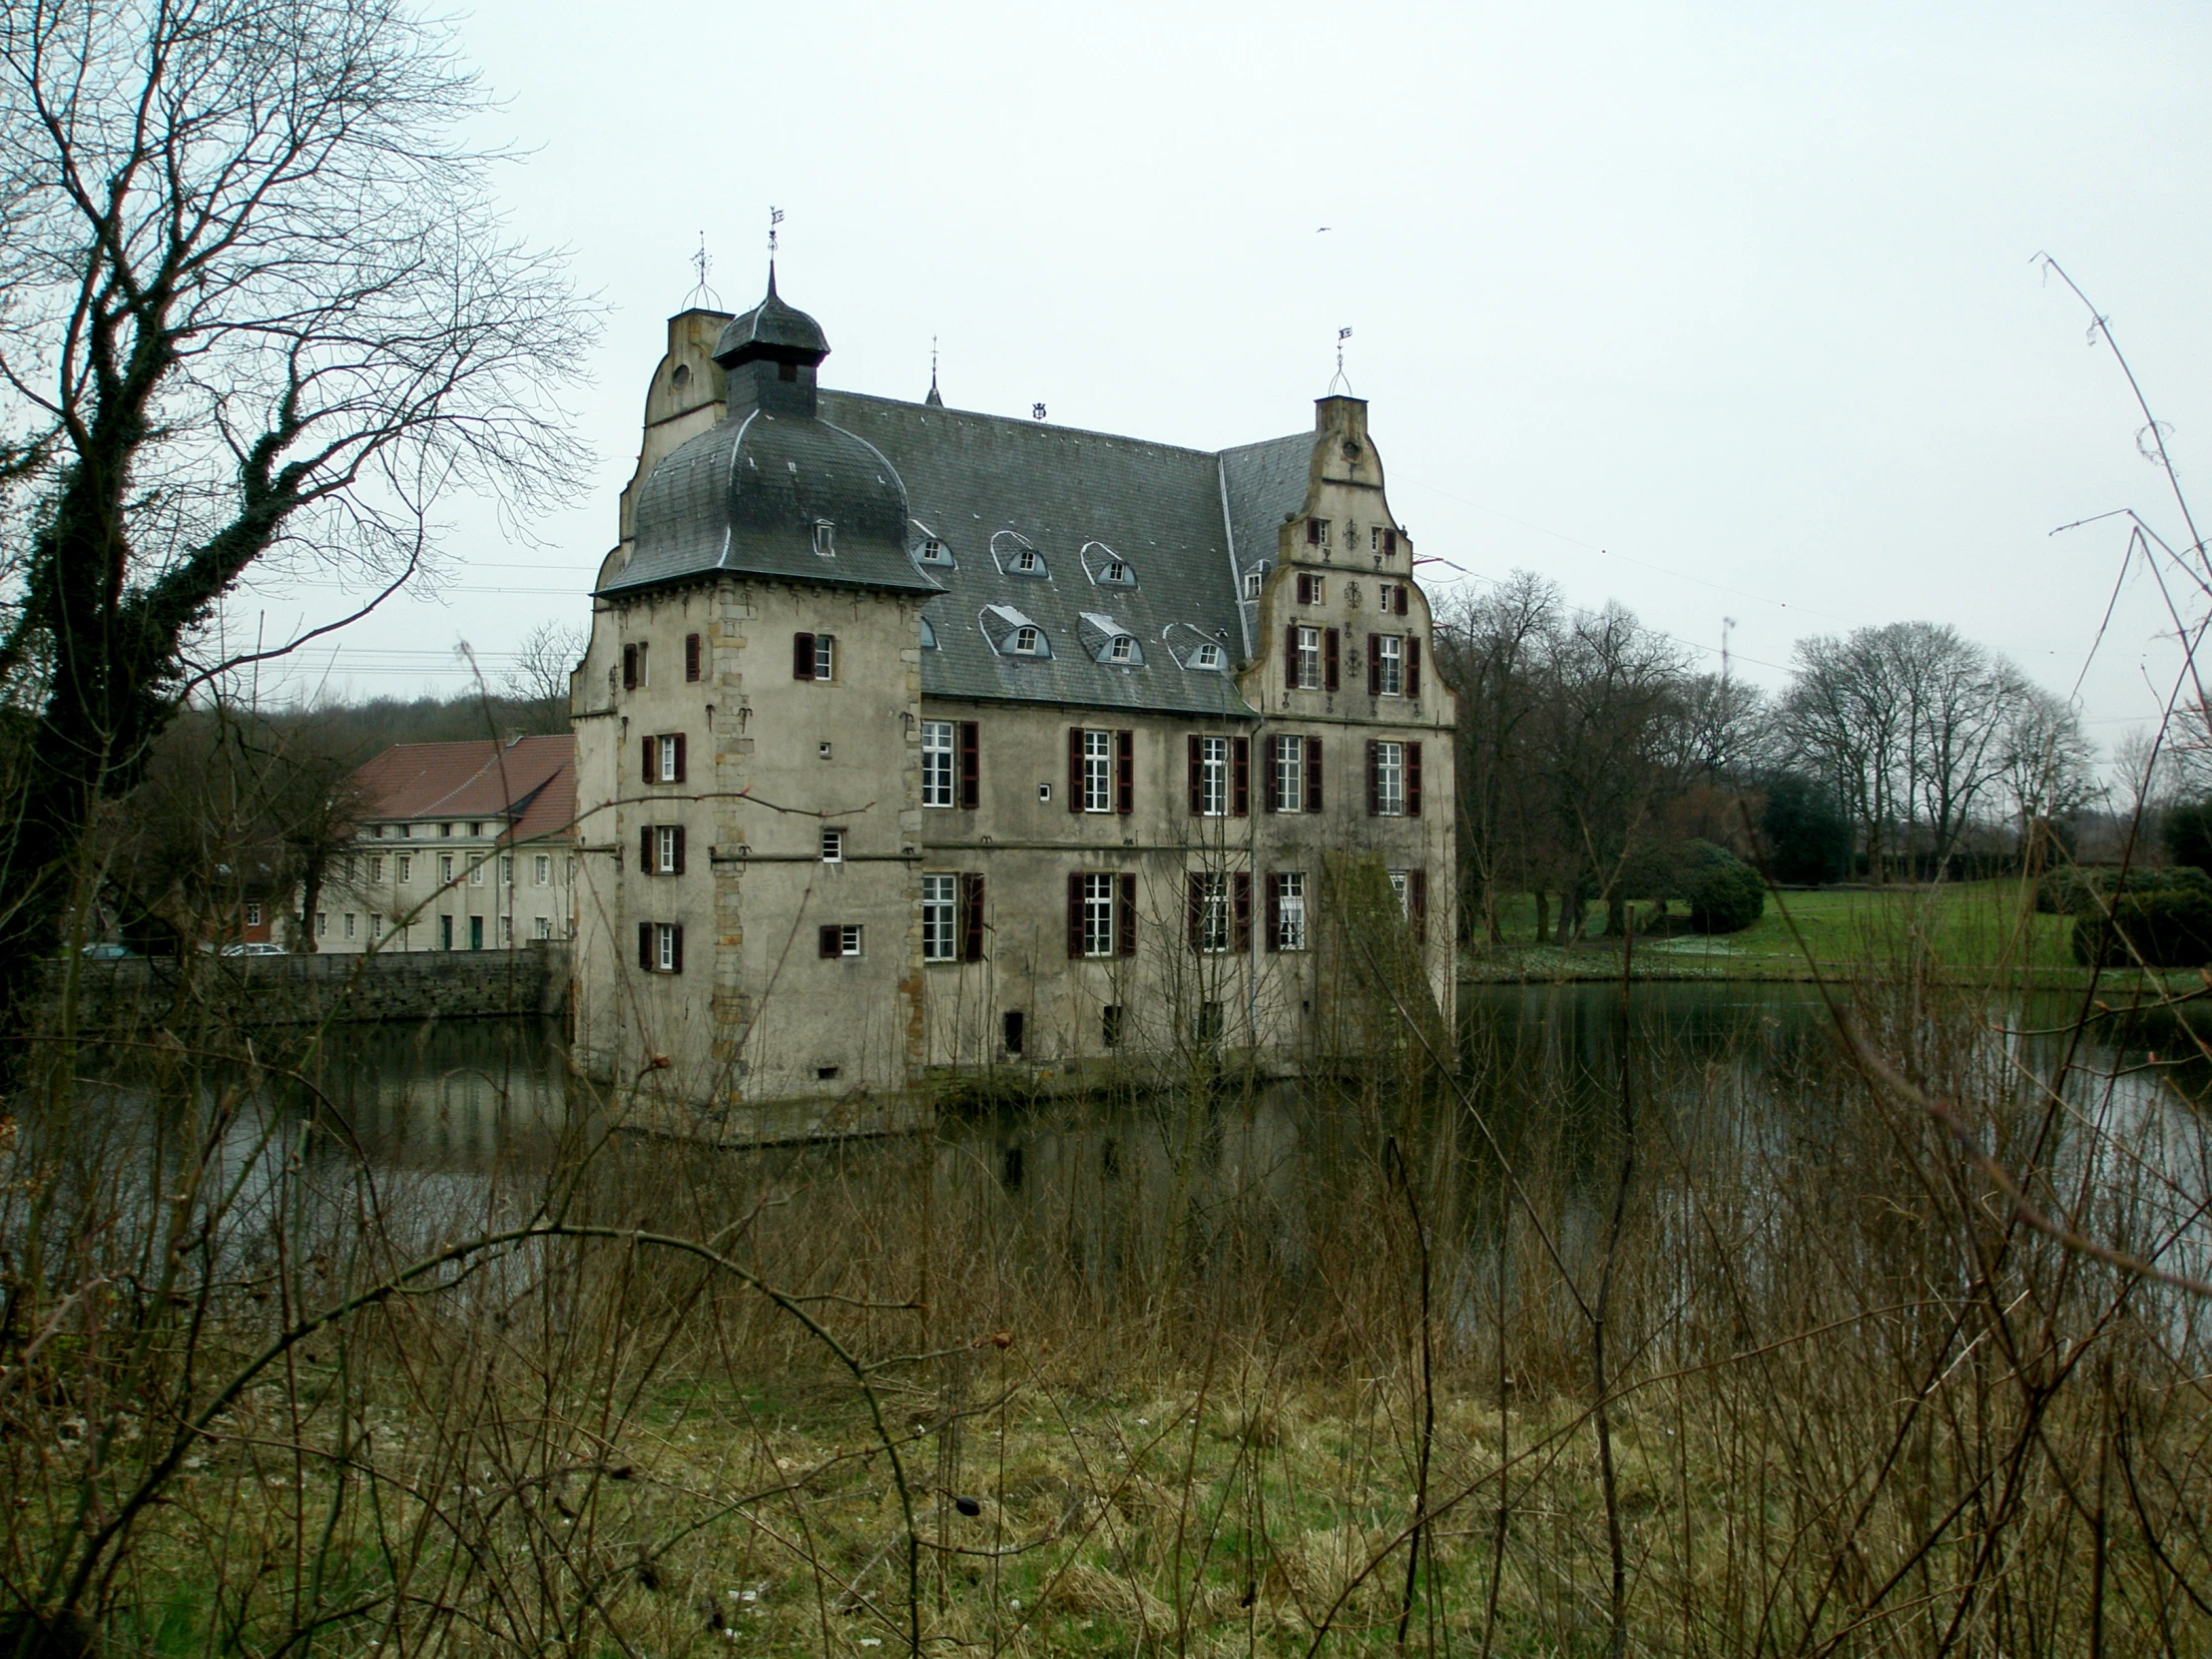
x,y
258,308
546,657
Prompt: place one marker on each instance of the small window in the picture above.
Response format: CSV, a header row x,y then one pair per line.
x,y
1027,641
832,847
840,939
823,750
928,635
826,1074
506,870
691,655
1027,563
1381,541
1312,589
377,831
825,538
634,666
407,868
476,872
1110,1025
1289,920
376,871
826,657
506,930
933,552
1206,656
1011,1031
1317,532
445,869
1123,649
475,830
322,925
541,871
445,831
375,927
1253,581
545,927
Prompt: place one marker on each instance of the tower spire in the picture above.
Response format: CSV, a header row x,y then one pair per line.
x,y
774,217
935,399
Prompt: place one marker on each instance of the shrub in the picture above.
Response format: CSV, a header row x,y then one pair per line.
x,y
2158,926
1806,836
2187,835
2075,891
1724,893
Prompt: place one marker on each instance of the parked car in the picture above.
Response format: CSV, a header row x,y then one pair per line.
x,y
107,951
255,950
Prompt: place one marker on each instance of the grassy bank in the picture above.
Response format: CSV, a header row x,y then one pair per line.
x,y
1980,928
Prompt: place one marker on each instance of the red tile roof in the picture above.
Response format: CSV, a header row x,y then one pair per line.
x,y
530,780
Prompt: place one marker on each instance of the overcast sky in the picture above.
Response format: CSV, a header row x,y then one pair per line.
x,y
1711,309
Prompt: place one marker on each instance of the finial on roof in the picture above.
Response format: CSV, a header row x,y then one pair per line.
x,y
935,399
1341,379
701,296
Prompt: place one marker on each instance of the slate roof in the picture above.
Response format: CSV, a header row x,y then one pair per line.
x,y
772,328
1079,499
531,782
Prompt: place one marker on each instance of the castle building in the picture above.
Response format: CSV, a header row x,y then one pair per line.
x,y
909,738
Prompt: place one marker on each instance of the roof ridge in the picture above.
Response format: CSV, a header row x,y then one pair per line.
x,y
1035,426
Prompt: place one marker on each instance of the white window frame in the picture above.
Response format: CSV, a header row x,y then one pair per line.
x,y
1122,649
322,925
1253,580
1401,888
850,937
1026,640
1026,562
1100,896
1206,656
826,657
506,929
664,947
1289,910
376,871
506,870
664,849
664,748
541,870
1098,769
1212,912
545,927
1213,777
1116,571
1389,664
1306,672
940,763
445,869
825,538
348,924
934,552
1290,773
375,925
940,904
832,847
476,872
1316,588
406,870
1390,780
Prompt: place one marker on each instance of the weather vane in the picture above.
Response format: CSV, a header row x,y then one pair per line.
x,y
701,294
774,217
1342,335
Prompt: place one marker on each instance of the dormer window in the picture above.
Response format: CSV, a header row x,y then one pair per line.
x,y
1123,649
1027,563
928,635
1012,634
825,538
1206,656
1026,640
933,552
1253,579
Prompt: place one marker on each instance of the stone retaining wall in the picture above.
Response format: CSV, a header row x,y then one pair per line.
x,y
411,985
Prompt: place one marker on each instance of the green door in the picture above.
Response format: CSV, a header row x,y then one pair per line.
x,y
445,932
475,932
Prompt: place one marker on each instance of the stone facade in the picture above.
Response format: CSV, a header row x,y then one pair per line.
x,y
943,845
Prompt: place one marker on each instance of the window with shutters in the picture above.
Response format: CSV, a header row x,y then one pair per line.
x,y
840,938
1287,926
634,663
939,909
1317,532
1381,541
1312,589
665,851
1401,888
1099,932
1389,664
1289,790
691,656
1391,598
1306,660
660,946
1389,778
1213,778
1098,771
664,758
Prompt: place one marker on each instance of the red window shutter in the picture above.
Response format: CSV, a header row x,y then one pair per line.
x,y
1402,598
1075,769
679,756
676,948
629,667
1375,778
971,770
1275,911
1390,542
691,656
1312,532
647,863
1194,907
1125,772
645,946
972,919
648,771
1240,776
1271,775
1412,780
826,942
1305,588
1417,901
1240,895
803,656
1075,915
1413,666
1329,675
1125,918
679,850
1312,775
1375,668
1195,771
1290,656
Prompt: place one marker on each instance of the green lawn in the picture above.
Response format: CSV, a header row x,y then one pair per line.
x,y
1962,925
